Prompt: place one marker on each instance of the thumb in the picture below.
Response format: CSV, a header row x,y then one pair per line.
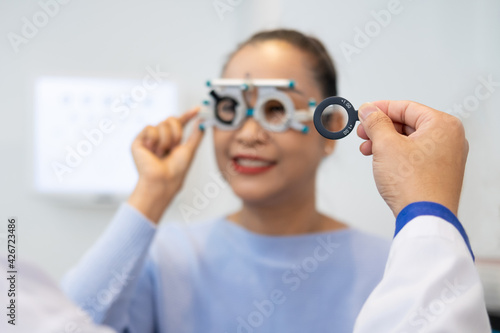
x,y
376,124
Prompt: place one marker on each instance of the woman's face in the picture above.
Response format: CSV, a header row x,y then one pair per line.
x,y
263,166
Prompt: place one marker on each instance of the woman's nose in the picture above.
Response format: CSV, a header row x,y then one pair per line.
x,y
251,133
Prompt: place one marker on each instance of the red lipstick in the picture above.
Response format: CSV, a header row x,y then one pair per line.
x,y
251,165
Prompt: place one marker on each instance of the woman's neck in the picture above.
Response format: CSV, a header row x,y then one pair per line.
x,y
289,216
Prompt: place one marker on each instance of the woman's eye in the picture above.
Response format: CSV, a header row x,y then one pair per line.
x,y
273,107
276,109
226,109
274,112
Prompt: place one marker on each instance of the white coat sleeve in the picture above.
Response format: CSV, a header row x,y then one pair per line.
x,y
430,283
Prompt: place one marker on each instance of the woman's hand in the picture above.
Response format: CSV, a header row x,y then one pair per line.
x,y
162,162
419,153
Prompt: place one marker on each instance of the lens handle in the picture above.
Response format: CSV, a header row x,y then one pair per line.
x,y
352,115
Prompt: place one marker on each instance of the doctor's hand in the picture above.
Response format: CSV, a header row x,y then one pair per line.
x,y
162,162
419,153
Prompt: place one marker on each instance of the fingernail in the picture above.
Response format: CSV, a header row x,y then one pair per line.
x,y
201,127
365,110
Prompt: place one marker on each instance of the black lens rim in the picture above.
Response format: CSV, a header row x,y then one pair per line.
x,y
352,115
227,122
218,99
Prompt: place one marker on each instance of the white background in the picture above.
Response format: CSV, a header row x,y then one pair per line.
x,y
432,52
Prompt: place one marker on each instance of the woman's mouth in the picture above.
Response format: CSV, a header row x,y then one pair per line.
x,y
251,165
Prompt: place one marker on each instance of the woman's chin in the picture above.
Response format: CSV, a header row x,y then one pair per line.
x,y
254,193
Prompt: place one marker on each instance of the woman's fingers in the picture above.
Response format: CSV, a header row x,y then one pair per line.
x,y
165,138
170,131
186,117
175,126
167,134
194,138
148,137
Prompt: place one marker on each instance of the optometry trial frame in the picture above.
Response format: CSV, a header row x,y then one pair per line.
x,y
274,109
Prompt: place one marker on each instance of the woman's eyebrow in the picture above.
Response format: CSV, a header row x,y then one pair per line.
x,y
292,90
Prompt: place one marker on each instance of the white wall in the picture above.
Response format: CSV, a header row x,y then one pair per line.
x,y
431,52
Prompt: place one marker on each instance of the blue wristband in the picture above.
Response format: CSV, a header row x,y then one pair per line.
x,y
421,208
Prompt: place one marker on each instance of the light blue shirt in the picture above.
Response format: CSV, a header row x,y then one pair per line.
x,y
216,276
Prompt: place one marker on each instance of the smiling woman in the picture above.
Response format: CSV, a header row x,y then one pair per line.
x,y
275,265
293,158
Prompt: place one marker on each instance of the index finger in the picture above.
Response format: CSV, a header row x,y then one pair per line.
x,y
186,117
409,113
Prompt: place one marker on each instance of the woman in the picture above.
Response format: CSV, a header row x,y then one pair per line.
x,y
276,265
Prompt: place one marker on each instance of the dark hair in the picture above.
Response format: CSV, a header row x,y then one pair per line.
x,y
322,64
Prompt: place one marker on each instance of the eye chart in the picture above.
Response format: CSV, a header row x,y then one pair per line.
x,y
84,127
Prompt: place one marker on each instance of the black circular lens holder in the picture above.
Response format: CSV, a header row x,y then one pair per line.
x,y
352,117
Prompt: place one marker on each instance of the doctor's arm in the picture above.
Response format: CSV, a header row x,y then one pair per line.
x,y
430,283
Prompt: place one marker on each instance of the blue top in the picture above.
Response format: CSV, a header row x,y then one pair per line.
x,y
216,276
